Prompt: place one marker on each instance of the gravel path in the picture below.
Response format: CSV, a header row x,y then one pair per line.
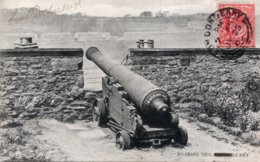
x,y
83,141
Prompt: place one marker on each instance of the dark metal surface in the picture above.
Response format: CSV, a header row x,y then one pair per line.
x,y
148,97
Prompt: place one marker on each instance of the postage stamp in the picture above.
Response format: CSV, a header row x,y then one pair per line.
x,y
230,30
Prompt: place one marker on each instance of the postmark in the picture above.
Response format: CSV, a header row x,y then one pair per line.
x,y
230,31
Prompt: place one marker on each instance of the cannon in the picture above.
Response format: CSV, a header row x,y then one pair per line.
x,y
134,108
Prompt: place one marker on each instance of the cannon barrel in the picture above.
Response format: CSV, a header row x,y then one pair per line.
x,y
148,97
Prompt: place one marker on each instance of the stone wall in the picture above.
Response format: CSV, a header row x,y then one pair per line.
x,y
45,83
199,83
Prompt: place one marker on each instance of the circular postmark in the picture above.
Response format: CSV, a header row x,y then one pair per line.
x,y
228,32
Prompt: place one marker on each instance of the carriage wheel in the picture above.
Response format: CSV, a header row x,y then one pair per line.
x,y
181,136
123,140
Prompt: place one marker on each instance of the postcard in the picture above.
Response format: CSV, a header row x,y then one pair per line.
x,y
132,80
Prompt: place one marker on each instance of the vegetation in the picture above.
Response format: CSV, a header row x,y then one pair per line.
x,y
28,19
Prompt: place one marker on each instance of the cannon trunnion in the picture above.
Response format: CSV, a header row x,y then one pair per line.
x,y
134,108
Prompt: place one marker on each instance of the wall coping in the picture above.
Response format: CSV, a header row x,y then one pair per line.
x,y
180,51
36,52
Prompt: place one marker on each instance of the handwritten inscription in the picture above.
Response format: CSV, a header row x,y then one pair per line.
x,y
17,17
65,7
33,13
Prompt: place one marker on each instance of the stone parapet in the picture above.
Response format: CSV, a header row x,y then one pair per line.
x,y
43,83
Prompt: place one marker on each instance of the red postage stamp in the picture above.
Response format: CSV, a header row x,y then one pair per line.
x,y
230,30
237,25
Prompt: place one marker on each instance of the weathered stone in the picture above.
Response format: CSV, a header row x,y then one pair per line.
x,y
9,88
11,123
14,114
33,103
248,137
6,80
80,81
203,126
65,64
188,105
79,108
80,103
224,78
8,63
56,101
77,92
28,115
89,95
216,120
2,93
256,140
11,71
137,67
67,111
52,80
36,66
203,117
84,116
70,118
59,116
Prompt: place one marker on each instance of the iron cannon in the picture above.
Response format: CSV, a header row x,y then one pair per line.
x,y
134,108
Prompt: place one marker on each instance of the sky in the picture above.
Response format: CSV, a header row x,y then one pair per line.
x,y
118,8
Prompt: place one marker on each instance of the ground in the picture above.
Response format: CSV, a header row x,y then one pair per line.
x,y
84,141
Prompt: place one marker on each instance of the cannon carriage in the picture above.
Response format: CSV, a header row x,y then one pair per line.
x,y
134,108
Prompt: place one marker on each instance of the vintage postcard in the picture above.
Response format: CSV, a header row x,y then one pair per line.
x,y
130,80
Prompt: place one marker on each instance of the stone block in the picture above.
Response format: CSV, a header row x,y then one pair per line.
x,y
235,131
67,111
84,116
80,103
10,123
216,120
66,64
56,101
90,96
78,108
203,117
7,63
256,139
11,71
248,137
10,87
